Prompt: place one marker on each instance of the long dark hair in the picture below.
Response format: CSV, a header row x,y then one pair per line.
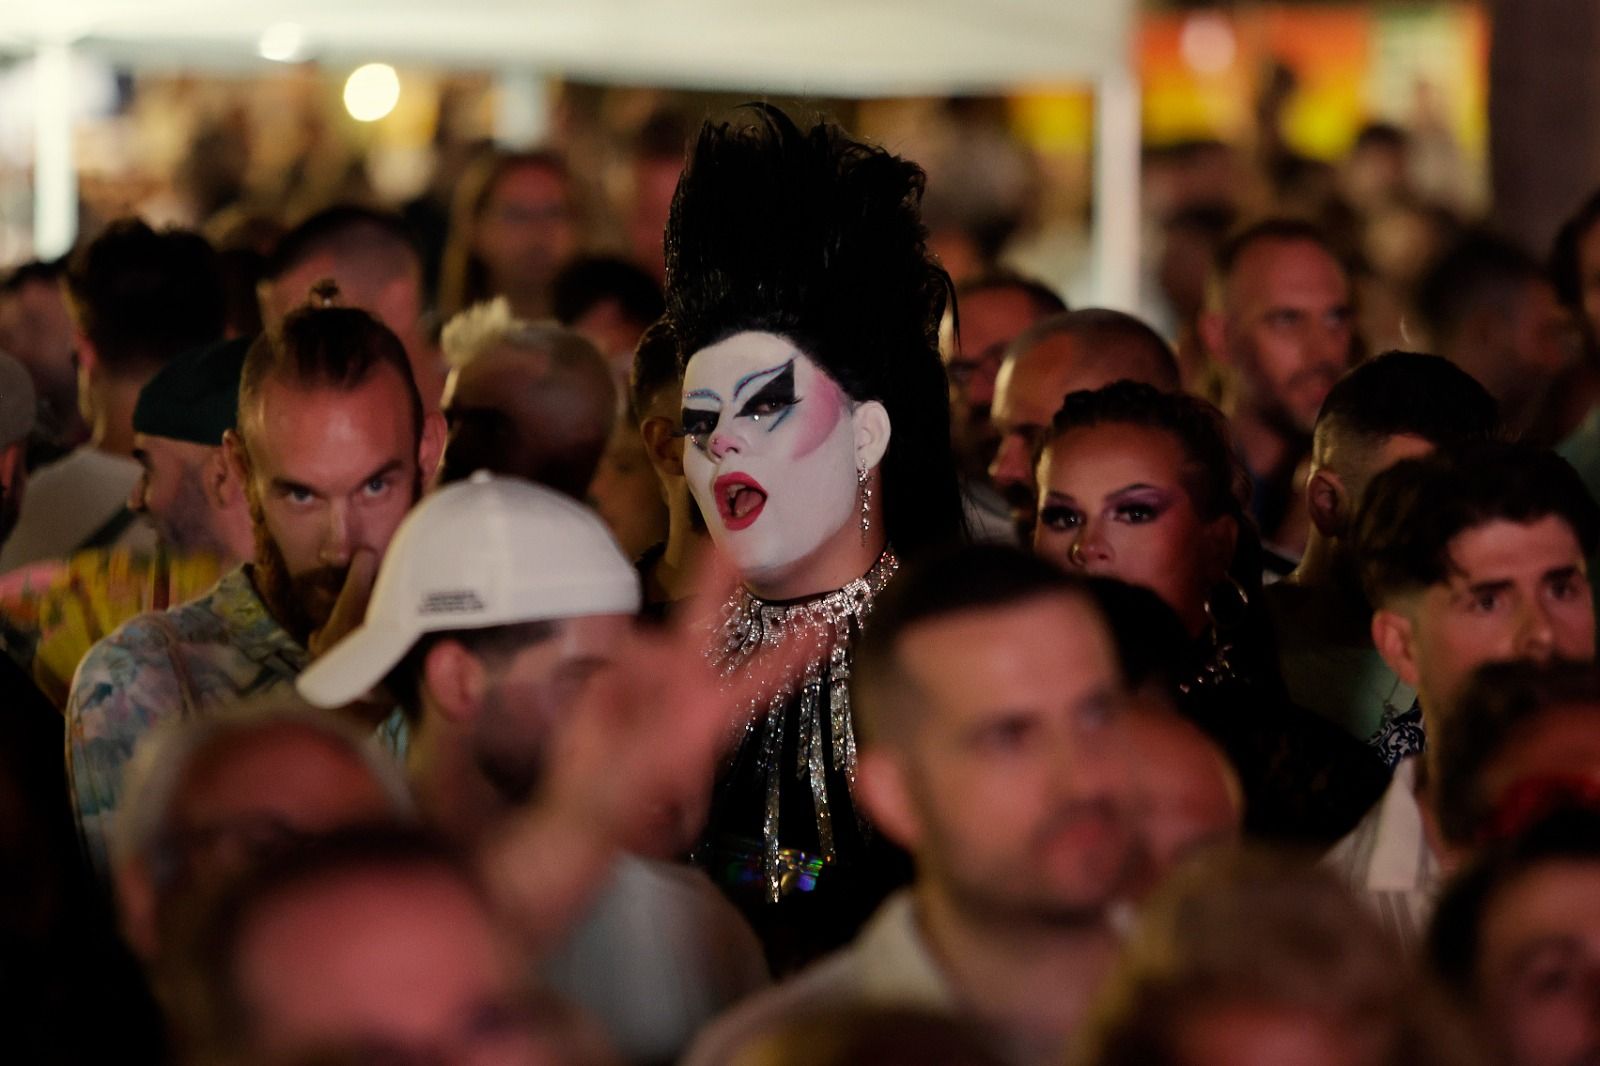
x,y
818,238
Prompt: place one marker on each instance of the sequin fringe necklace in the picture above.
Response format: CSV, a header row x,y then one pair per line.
x,y
831,620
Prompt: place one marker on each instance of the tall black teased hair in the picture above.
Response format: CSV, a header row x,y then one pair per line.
x,y
818,238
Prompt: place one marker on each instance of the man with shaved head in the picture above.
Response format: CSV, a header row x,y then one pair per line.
x,y
1062,354
1280,327
994,309
529,400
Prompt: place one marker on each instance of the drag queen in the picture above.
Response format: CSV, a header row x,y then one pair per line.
x,y
815,409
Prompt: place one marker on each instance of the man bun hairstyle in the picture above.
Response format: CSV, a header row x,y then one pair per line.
x,y
323,345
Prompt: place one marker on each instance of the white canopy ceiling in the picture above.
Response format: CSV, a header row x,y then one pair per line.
x,y
825,47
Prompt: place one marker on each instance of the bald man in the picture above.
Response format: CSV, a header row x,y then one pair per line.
x,y
375,260
534,401
1062,354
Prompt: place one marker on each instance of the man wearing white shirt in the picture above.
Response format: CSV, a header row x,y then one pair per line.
x,y
1473,557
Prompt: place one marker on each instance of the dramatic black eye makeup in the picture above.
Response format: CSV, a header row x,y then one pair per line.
x,y
774,400
698,423
769,405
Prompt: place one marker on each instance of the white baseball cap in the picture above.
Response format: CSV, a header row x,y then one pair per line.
x,y
487,551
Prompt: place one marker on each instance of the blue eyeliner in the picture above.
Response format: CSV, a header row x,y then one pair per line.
x,y
748,378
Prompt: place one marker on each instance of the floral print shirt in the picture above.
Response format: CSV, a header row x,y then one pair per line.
x,y
191,660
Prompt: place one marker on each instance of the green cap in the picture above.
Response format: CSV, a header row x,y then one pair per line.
x,y
195,397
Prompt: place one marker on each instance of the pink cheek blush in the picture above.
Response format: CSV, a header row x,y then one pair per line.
x,y
818,416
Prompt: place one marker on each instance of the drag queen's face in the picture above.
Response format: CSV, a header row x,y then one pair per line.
x,y
775,449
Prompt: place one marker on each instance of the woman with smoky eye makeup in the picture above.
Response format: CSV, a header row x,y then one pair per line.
x,y
1144,487
815,415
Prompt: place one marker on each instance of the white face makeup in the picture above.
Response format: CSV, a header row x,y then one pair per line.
x,y
772,461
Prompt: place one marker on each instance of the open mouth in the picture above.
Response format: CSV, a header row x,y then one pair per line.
x,y
739,500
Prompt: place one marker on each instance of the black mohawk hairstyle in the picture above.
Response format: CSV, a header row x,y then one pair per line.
x,y
817,237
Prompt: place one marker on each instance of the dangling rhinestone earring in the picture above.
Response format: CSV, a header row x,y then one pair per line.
x,y
866,501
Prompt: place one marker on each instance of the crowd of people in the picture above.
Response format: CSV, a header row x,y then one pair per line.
x,y
772,649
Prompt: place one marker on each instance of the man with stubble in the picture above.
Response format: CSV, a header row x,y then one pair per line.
x,y
332,446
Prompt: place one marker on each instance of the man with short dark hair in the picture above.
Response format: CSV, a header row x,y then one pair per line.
x,y
1279,327
1489,308
331,447
489,652
376,261
1395,406
138,298
1054,357
998,753
1468,557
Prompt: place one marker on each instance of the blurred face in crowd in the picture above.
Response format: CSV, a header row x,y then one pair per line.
x,y
990,319
655,180
1246,1033
329,472
13,483
191,496
775,449
1115,504
1028,393
1557,749
36,329
510,411
1589,277
523,697
627,493
1284,330
1542,340
1011,781
1190,797
239,804
1516,591
385,965
526,230
1538,970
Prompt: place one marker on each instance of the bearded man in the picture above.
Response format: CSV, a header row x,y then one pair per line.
x,y
332,447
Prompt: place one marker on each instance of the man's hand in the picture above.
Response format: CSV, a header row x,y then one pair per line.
x,y
351,606
348,612
633,765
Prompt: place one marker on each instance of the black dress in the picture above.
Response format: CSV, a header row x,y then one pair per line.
x,y
783,838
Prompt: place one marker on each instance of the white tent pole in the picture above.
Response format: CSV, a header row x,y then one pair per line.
x,y
1116,189
55,178
522,109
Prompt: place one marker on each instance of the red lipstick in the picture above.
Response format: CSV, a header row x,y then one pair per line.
x,y
740,499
